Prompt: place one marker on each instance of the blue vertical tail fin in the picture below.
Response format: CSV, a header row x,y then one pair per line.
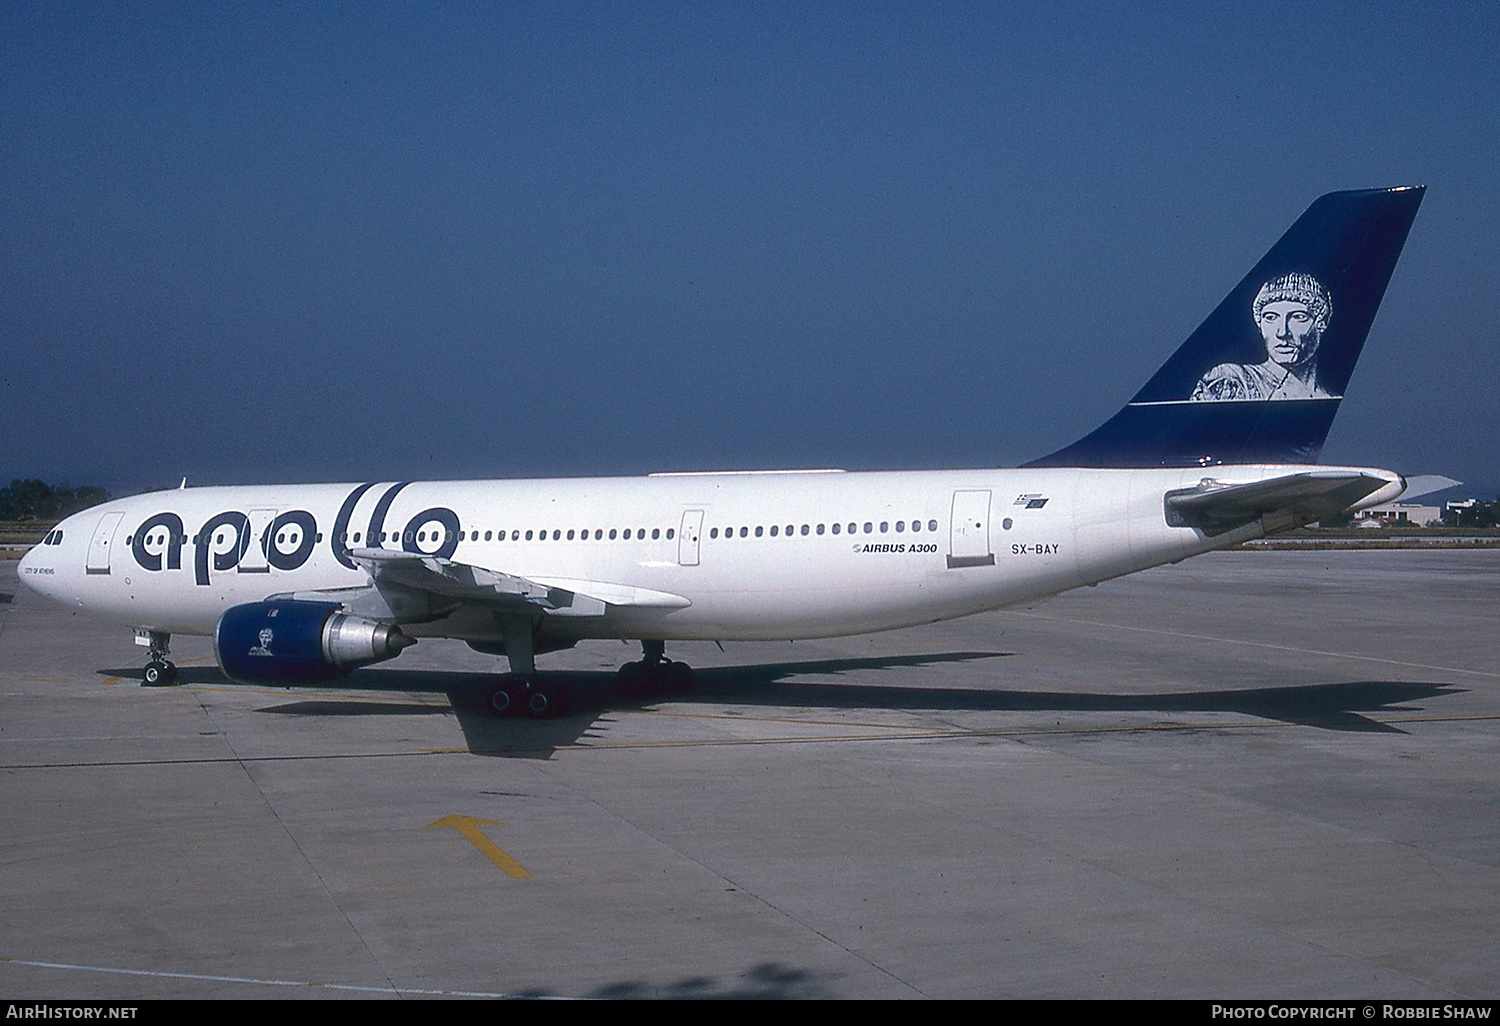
x,y
1262,377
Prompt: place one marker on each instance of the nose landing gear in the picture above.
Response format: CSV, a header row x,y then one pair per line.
x,y
160,672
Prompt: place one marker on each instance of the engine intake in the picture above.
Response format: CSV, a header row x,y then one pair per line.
x,y
299,642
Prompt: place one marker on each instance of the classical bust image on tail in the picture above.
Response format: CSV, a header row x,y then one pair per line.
x,y
1291,312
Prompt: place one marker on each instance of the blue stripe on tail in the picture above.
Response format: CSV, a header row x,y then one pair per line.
x,y
1262,377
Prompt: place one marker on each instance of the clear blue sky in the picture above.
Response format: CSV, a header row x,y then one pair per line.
x,y
257,242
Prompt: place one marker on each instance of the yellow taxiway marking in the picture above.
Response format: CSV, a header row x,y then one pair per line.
x,y
468,826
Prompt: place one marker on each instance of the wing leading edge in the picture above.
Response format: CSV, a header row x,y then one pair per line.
x,y
411,587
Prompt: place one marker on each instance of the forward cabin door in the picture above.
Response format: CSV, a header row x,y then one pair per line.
x,y
99,544
687,541
969,531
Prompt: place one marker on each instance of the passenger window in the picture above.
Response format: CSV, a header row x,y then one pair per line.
x,y
869,527
713,533
820,528
932,525
570,535
836,528
885,526
671,533
773,530
627,534
655,533
528,536
759,532
611,534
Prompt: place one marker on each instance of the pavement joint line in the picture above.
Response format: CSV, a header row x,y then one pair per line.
x,y
348,696
1255,644
209,978
296,843
733,718
923,735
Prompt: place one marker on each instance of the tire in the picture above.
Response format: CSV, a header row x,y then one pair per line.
x,y
632,677
679,678
159,674
502,701
546,702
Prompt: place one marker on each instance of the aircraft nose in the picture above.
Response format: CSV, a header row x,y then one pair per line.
x,y
34,571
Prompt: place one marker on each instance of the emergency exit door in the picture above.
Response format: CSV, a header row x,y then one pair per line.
x,y
687,541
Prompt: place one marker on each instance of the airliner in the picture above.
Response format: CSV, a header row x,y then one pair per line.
x,y
300,584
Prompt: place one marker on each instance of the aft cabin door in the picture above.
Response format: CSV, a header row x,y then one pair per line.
x,y
687,541
100,544
969,535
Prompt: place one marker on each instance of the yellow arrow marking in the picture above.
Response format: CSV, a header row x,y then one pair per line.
x,y
469,827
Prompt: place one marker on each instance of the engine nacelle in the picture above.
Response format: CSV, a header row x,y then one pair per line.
x,y
297,642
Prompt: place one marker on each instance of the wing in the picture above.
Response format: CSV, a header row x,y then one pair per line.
x,y
1278,502
412,587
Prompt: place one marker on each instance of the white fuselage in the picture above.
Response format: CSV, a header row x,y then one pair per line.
x,y
744,555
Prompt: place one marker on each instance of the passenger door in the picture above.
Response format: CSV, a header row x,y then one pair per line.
x,y
969,533
101,542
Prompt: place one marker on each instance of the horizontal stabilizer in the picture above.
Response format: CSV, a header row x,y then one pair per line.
x,y
1426,484
1279,502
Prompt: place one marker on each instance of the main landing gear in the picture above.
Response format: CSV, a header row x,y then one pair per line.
x,y
655,674
160,672
528,695
524,693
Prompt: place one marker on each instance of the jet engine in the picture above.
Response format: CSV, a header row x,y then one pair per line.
x,y
299,642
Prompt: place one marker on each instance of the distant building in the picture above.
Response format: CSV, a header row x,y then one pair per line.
x,y
1471,513
1399,514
